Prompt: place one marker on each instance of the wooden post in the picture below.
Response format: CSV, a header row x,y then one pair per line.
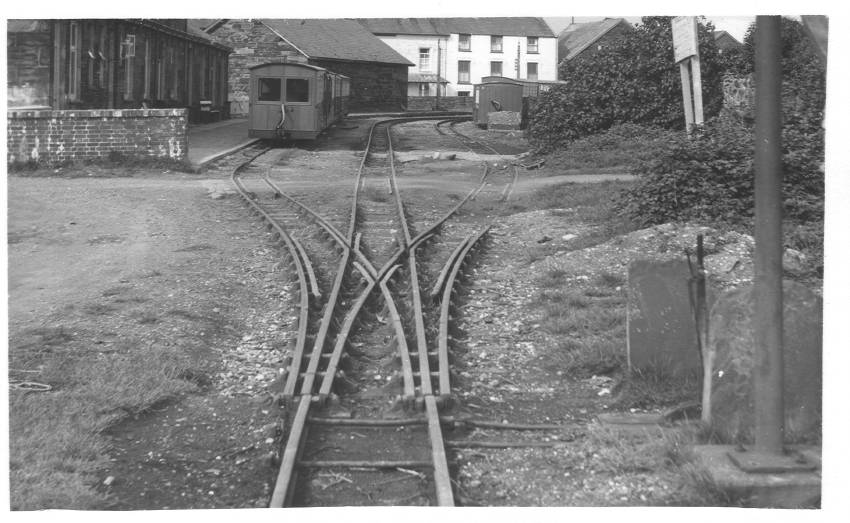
x,y
686,95
686,54
696,75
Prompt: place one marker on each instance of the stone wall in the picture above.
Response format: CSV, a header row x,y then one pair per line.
x,y
374,86
51,137
739,94
447,103
253,44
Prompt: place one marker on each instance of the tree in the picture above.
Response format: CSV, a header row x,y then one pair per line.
x,y
632,80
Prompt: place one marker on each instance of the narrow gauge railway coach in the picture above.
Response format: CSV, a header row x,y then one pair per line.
x,y
293,100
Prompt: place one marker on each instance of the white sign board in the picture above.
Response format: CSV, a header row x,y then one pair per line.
x,y
684,37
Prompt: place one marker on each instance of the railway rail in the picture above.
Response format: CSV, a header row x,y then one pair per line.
x,y
371,344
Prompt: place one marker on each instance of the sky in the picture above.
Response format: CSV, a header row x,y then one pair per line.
x,y
734,25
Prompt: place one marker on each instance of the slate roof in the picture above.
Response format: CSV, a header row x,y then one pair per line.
x,y
725,40
335,39
575,38
427,78
505,26
26,26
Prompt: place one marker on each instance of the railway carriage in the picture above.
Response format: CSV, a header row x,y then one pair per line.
x,y
293,100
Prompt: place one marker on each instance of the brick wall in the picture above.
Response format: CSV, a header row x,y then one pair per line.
x,y
51,137
447,103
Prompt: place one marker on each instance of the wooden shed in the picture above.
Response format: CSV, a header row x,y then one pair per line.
x,y
496,94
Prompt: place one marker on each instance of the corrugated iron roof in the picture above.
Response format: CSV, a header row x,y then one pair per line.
x,y
335,39
425,78
575,38
505,26
27,26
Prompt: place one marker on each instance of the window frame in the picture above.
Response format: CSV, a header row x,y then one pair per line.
x,y
501,68
129,65
92,56
532,49
494,40
461,37
74,69
103,62
427,56
146,93
460,79
280,86
286,99
528,71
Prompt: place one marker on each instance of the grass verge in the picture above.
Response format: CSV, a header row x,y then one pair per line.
x,y
588,320
614,150
56,446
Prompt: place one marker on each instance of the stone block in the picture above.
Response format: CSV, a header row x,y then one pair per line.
x,y
504,120
661,327
731,337
787,490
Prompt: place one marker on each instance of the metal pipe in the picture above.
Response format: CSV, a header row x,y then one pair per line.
x,y
767,289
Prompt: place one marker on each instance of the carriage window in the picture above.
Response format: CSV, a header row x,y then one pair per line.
x,y
269,90
297,90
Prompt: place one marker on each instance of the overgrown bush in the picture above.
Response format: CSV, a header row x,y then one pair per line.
x,y
707,177
615,149
632,80
711,176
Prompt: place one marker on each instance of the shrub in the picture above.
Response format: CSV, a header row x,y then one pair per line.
x,y
633,80
710,177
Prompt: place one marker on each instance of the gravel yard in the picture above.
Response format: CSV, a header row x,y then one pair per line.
x,y
156,311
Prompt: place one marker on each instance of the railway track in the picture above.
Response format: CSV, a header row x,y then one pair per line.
x,y
370,366
503,174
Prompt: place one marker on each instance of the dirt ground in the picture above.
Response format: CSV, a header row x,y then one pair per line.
x,y
122,264
125,263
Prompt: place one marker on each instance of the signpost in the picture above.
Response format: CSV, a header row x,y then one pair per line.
x,y
686,54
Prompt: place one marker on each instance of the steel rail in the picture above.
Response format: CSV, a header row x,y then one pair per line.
x,y
304,305
418,315
331,230
470,139
442,478
444,272
324,327
443,340
285,481
284,485
401,342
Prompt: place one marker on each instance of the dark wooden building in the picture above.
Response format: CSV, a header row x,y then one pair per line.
x,y
116,64
587,38
725,41
378,73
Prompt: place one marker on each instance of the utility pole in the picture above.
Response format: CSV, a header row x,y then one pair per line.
x,y
517,60
767,324
439,72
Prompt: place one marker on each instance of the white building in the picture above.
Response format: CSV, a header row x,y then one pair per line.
x,y
456,53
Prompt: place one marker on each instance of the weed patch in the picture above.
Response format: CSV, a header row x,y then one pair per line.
x,y
653,388
55,438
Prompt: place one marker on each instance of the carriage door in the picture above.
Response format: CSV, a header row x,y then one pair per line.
x,y
266,113
300,115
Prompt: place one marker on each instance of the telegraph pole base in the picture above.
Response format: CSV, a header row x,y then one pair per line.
x,y
754,479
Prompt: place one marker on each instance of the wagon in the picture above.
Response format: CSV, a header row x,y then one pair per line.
x,y
292,100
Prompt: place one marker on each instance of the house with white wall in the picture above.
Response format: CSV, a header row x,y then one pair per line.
x,y
453,54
